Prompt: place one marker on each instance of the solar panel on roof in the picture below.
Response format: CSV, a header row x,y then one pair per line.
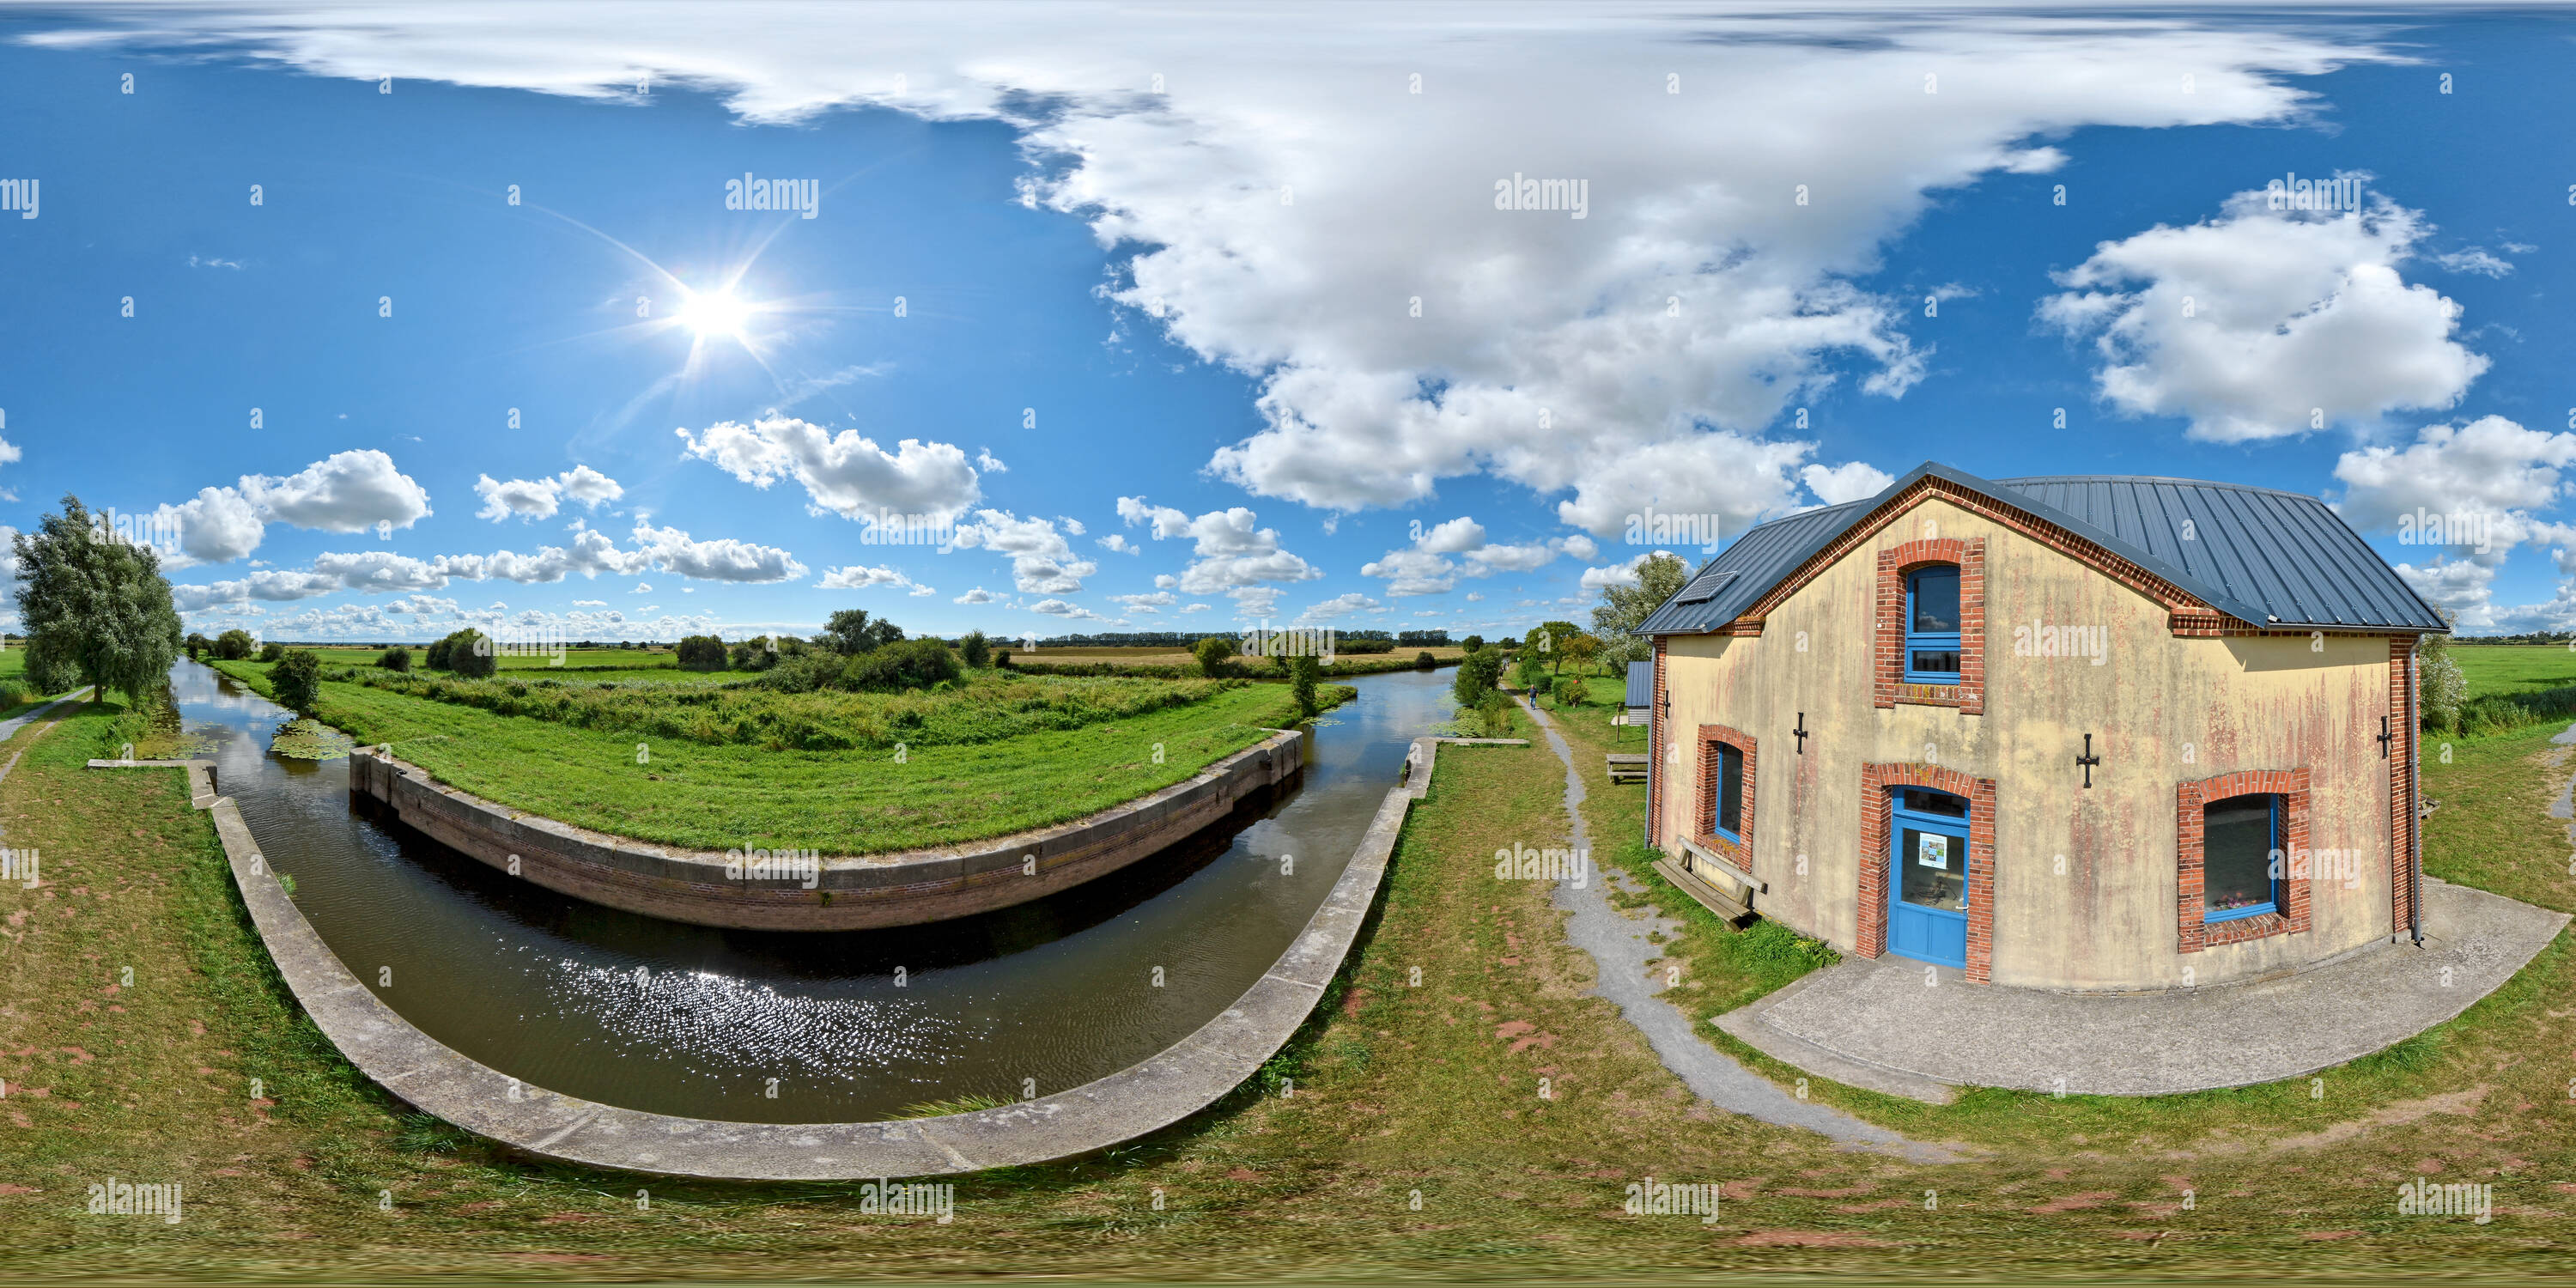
x,y
1704,587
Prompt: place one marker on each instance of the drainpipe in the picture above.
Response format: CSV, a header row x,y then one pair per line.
x,y
2415,794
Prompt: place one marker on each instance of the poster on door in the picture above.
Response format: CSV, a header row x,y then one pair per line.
x,y
1932,850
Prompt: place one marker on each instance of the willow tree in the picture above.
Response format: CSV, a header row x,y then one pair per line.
x,y
96,609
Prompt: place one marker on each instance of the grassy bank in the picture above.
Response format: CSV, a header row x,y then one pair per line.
x,y
1404,1085
709,794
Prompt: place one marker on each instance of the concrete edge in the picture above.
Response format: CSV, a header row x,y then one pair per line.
x,y
1141,1099
849,892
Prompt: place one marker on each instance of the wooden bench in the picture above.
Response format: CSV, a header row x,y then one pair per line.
x,y
1627,767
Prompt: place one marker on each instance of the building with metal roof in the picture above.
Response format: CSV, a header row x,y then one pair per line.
x,y
2091,732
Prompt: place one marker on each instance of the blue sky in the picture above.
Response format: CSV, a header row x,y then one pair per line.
x,y
1207,320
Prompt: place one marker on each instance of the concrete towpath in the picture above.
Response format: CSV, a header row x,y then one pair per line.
x,y
1620,949
9,728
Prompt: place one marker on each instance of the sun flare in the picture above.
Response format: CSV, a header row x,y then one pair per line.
x,y
709,313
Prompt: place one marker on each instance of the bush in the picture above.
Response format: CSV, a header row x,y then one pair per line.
x,y
1478,672
233,645
395,659
701,653
1569,691
296,680
1491,717
975,649
1423,661
2446,693
1473,642
1002,659
469,654
197,644
11,694
1357,647
805,672
754,655
1303,670
438,651
904,664
1211,654
271,651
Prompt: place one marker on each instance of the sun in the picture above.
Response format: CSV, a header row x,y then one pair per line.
x,y
714,313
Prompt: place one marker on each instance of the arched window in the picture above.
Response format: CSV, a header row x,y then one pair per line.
x,y
1932,625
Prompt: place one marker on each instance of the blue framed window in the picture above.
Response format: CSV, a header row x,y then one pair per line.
x,y
2240,857
1932,625
1727,812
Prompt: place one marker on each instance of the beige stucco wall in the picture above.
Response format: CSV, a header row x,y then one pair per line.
x,y
2161,710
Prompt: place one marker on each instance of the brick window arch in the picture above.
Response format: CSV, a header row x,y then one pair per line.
x,y
1895,564
2292,915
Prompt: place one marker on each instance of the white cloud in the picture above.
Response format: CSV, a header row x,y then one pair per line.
x,y
1850,481
858,577
350,492
1625,574
1232,553
1364,401
590,603
989,463
1042,561
1196,608
2476,260
1425,569
539,498
2259,323
216,526
1073,526
723,559
1117,543
1255,603
1071,612
523,498
978,595
844,472
642,588
1453,537
1339,607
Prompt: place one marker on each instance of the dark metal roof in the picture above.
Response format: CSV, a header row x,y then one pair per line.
x,y
1641,685
2270,559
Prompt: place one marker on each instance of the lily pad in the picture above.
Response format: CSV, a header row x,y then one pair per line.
x,y
305,739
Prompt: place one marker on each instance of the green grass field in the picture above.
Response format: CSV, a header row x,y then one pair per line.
x,y
1417,1142
676,791
2515,668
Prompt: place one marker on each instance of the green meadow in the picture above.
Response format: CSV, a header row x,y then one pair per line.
x,y
838,772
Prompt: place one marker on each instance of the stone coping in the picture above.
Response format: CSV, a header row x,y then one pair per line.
x,y
859,892
1184,1079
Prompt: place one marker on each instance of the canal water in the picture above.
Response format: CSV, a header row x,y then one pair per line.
x,y
755,1026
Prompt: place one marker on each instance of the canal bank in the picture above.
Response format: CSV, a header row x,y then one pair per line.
x,y
749,890
616,1008
1146,1097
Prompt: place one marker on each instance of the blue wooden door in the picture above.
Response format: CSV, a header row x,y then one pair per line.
x,y
1927,886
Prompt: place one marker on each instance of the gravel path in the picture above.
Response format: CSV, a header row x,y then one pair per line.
x,y
1620,949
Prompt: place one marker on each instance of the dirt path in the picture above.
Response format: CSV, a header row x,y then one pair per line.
x,y
1620,950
